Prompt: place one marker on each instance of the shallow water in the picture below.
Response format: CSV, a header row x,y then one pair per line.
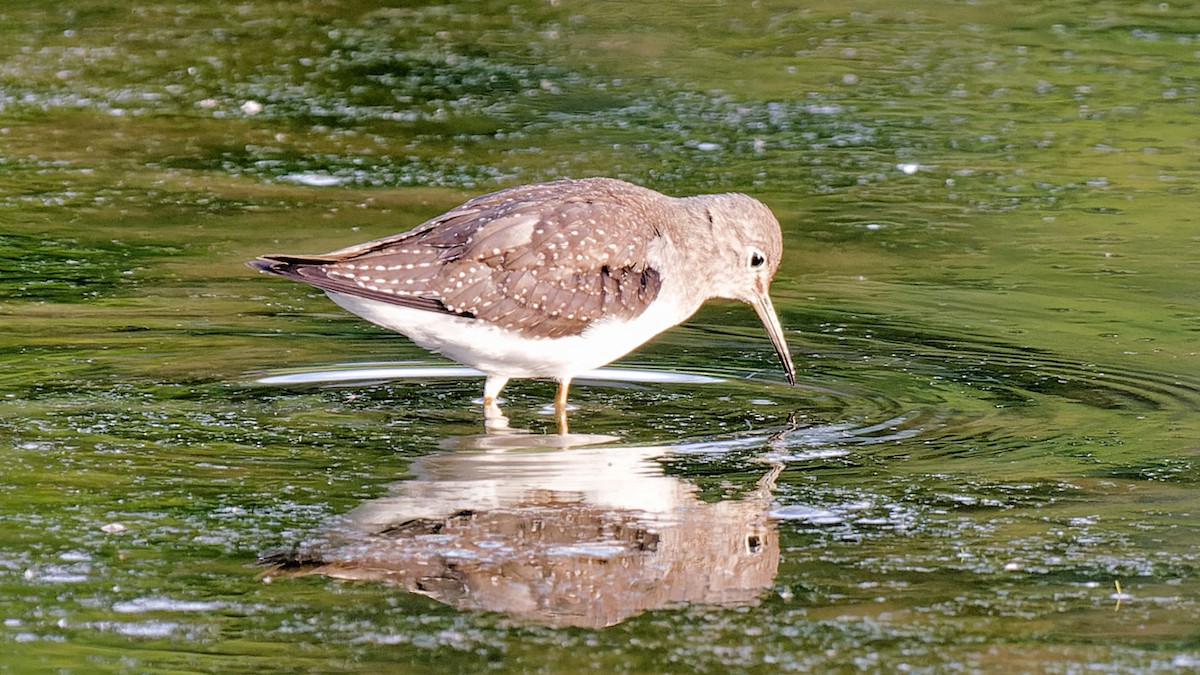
x,y
989,462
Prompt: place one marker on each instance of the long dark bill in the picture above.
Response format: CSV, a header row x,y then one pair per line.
x,y
766,313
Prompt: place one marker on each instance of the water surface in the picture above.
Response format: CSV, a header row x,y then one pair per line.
x,y
990,289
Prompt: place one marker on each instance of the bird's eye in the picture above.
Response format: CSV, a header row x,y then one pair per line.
x,y
757,259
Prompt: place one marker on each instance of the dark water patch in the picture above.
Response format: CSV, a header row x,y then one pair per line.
x,y
62,270
1183,469
1010,373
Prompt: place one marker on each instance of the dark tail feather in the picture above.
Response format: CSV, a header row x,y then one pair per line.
x,y
283,264
306,269
261,264
311,270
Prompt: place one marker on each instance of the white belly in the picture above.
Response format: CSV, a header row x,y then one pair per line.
x,y
506,353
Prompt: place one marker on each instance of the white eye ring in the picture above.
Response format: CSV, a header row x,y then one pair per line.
x,y
757,259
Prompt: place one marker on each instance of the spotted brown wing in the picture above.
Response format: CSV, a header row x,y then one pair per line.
x,y
545,259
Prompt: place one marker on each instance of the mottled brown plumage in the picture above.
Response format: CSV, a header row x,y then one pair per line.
x,y
542,259
554,279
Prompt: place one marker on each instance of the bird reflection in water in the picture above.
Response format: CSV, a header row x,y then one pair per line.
x,y
559,535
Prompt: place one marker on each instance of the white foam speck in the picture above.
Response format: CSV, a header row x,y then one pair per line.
x,y
140,605
811,514
313,179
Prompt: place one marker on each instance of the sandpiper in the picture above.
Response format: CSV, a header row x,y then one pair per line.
x,y
553,279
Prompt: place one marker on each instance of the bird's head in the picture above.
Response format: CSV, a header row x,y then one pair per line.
x,y
743,235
